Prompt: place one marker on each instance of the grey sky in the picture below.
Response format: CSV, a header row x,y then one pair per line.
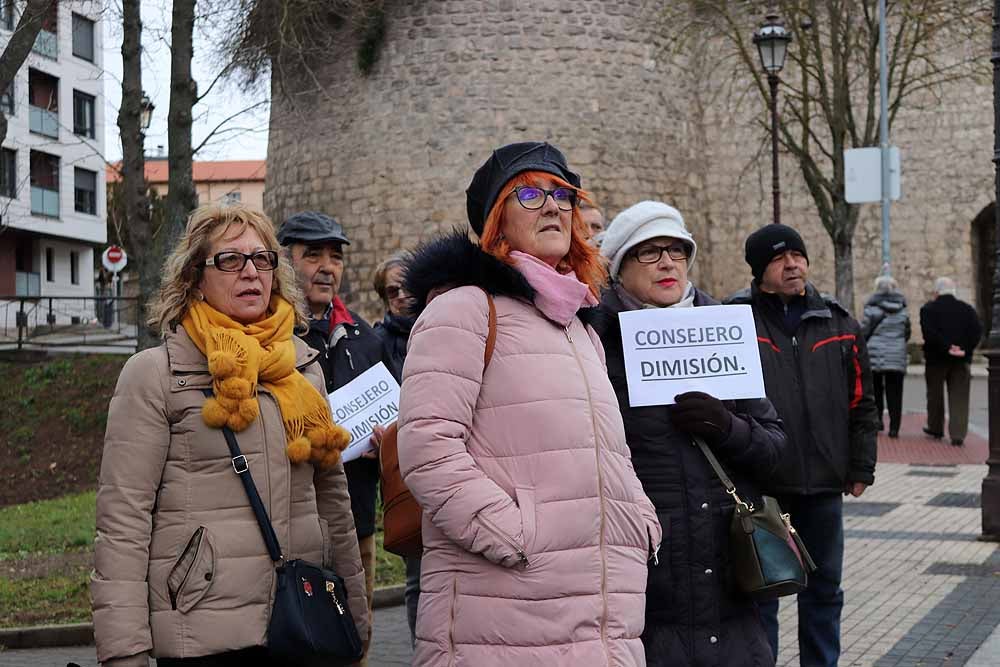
x,y
247,135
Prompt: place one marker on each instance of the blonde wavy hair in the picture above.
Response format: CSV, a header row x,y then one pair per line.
x,y
185,267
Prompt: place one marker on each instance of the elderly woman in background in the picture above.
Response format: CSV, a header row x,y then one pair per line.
x,y
536,531
394,329
181,571
693,614
885,324
394,332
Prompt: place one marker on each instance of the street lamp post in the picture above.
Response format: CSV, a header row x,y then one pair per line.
x,y
146,107
991,484
772,41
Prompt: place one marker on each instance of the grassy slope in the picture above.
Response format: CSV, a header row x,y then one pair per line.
x,y
52,419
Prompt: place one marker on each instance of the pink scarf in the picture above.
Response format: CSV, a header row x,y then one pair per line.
x,y
557,295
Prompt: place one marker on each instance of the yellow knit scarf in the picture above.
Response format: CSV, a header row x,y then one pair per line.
x,y
242,355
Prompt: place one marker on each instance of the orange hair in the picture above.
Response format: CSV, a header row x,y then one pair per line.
x,y
582,258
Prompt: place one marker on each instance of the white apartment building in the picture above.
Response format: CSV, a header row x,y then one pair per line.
x,y
52,169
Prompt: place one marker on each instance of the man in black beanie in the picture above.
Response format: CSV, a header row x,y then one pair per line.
x,y
817,375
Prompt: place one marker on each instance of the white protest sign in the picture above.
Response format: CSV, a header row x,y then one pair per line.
x,y
371,399
669,351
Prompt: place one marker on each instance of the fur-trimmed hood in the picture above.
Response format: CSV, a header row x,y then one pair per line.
x,y
452,260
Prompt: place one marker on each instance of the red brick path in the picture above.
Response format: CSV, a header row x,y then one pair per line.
x,y
913,446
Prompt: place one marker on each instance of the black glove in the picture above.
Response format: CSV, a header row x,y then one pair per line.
x,y
697,413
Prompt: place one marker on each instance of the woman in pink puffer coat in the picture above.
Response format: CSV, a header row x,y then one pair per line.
x,y
536,530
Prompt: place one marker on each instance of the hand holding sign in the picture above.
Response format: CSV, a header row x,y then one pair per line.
x,y
697,413
670,351
363,407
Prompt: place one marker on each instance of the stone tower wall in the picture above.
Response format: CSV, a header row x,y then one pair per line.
x,y
390,154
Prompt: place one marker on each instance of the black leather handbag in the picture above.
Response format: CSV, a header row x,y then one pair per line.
x,y
310,619
767,556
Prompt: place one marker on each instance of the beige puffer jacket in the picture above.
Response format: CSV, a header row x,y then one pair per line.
x,y
180,568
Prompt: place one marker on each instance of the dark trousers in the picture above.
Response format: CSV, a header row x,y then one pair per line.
x,y
411,594
820,522
957,375
246,657
889,393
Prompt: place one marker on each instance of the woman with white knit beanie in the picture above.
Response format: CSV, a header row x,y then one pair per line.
x,y
693,615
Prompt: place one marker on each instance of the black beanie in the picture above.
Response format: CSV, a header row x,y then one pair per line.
x,y
768,242
506,163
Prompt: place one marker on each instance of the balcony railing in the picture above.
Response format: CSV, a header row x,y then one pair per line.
x,y
47,44
44,201
43,121
27,284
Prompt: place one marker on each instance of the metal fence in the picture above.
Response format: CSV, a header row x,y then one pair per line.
x,y
71,323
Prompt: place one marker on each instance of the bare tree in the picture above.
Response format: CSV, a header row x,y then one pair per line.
x,y
133,189
19,46
181,195
830,86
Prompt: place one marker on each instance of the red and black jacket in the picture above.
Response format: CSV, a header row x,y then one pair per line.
x,y
819,380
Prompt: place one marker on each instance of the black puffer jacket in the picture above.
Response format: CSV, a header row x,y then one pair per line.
x,y
343,359
819,380
394,331
693,615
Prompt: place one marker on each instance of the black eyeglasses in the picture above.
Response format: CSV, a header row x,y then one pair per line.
x,y
533,198
394,291
233,262
650,254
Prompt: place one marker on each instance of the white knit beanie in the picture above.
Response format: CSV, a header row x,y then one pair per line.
x,y
641,222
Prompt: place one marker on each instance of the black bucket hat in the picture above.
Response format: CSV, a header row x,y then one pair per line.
x,y
504,164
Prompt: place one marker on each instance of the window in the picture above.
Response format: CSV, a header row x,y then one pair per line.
x,y
7,101
7,14
85,191
8,173
44,184
83,37
43,103
83,114
50,266
47,42
74,267
232,198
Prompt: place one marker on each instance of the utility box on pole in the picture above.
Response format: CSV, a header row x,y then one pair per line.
x,y
863,175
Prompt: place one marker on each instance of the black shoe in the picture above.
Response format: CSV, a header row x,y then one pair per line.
x,y
957,442
893,434
936,436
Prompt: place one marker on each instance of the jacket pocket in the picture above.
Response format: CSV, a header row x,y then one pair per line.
x,y
324,531
192,573
511,554
526,503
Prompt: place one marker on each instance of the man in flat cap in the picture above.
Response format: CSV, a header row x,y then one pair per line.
x,y
817,375
348,346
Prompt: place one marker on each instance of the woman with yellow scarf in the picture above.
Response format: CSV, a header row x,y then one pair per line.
x,y
181,570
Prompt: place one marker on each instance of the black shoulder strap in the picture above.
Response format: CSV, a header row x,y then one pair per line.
x,y
242,469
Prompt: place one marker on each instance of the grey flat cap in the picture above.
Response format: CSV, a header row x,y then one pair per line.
x,y
311,227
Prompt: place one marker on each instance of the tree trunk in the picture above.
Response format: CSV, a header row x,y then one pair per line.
x,y
843,263
181,195
19,46
138,220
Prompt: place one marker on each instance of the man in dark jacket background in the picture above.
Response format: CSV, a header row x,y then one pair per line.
x,y
347,345
817,375
951,332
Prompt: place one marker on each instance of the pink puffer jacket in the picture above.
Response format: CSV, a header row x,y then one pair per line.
x,y
536,530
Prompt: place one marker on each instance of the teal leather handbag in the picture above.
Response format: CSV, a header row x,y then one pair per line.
x,y
767,556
